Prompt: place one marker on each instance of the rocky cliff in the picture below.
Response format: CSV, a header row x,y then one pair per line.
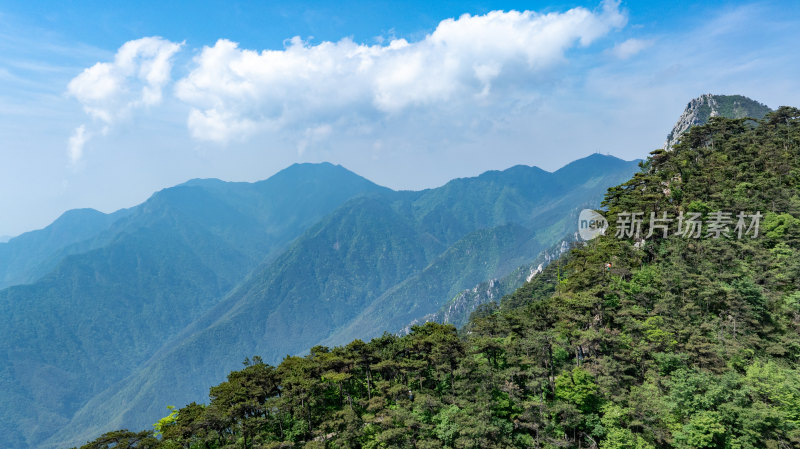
x,y
702,108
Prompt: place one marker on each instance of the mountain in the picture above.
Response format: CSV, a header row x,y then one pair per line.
x,y
458,309
5,238
651,341
702,108
388,257
29,256
575,186
113,300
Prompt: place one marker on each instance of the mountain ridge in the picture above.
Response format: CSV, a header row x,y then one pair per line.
x,y
432,220
144,277
670,341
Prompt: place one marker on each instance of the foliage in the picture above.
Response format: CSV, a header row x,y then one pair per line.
x,y
681,343
372,264
110,290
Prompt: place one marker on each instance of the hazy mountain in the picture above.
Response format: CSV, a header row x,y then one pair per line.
x,y
457,310
683,342
388,256
546,217
100,313
29,256
702,108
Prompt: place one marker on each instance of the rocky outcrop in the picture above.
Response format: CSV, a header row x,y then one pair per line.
x,y
702,108
458,309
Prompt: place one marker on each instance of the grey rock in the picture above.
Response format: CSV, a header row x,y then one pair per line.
x,y
702,108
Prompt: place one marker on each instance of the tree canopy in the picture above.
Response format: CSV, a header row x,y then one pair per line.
x,y
679,343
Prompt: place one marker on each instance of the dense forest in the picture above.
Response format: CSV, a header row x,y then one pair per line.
x,y
657,342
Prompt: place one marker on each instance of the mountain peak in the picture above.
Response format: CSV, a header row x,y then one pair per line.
x,y
519,170
581,168
595,158
314,167
322,173
702,108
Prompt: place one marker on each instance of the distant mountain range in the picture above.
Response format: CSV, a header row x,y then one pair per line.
x,y
374,263
666,341
98,311
122,285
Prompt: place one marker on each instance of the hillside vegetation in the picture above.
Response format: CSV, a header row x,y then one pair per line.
x,y
374,263
117,286
681,342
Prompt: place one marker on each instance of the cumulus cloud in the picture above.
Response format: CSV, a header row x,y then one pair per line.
x,y
233,92
630,47
311,90
136,77
109,91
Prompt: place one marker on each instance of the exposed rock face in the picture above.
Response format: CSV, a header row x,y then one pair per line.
x,y
458,309
702,108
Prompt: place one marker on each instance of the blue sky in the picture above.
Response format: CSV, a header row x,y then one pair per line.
x,y
103,103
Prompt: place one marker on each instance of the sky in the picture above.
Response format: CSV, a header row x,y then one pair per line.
x,y
104,103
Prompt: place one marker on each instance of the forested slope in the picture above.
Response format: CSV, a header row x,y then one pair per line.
x,y
381,259
680,342
117,287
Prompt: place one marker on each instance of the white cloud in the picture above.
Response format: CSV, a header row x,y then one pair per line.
x,y
493,62
234,92
218,125
76,143
109,91
312,136
630,47
136,77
